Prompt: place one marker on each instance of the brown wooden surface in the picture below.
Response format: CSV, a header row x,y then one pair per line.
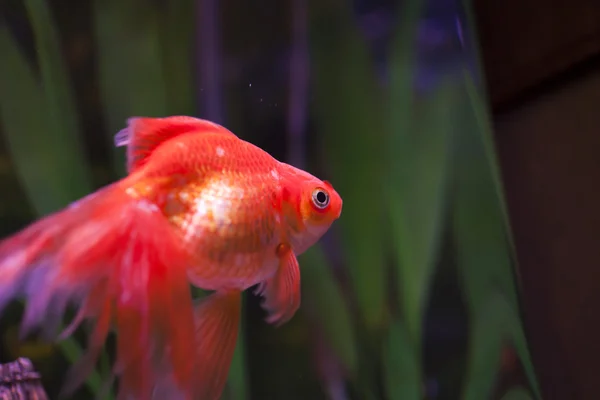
x,y
526,41
550,156
549,148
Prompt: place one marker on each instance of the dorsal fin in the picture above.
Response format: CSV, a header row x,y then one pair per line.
x,y
144,134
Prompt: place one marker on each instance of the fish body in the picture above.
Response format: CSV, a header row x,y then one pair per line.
x,y
199,206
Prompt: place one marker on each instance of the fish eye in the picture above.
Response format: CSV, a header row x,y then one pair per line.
x,y
320,198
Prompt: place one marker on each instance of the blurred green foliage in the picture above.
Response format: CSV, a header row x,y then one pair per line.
x,y
415,170
144,61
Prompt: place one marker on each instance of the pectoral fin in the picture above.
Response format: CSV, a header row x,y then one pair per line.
x,y
282,290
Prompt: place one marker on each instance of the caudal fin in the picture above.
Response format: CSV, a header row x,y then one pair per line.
x,y
121,261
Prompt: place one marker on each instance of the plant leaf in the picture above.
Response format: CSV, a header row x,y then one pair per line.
x,y
418,196
349,115
130,64
177,29
485,345
482,256
481,117
45,161
402,375
34,148
23,113
60,120
482,244
322,293
517,393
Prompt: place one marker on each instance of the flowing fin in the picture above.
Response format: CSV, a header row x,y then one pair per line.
x,y
122,260
217,319
282,291
217,323
144,134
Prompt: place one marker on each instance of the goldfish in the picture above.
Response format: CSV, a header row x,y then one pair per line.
x,y
198,207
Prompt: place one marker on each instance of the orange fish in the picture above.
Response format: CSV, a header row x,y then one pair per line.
x,y
199,206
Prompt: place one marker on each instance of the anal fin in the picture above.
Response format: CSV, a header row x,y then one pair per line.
x,y
217,322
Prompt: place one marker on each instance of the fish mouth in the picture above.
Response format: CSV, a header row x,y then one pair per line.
x,y
339,213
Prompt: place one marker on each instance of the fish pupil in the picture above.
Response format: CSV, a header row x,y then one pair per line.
x,y
321,197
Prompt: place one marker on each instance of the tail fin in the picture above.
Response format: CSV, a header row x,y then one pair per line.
x,y
120,259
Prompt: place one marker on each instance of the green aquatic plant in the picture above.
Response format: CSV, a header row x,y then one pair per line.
x,y
41,129
439,182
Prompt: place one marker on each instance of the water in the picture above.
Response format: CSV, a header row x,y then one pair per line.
x,y
391,304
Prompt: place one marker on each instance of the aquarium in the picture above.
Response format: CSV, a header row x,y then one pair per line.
x,y
412,293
